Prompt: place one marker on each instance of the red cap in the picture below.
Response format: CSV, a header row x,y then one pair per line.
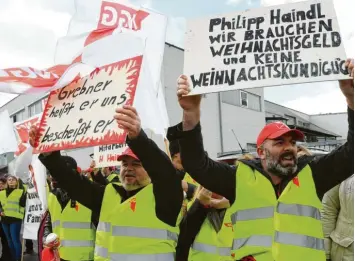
x,y
275,130
127,152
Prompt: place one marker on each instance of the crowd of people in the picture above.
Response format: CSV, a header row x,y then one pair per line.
x,y
190,207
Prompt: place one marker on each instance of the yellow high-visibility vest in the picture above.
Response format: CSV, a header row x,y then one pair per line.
x,y
210,245
111,177
270,229
11,203
74,228
190,180
130,230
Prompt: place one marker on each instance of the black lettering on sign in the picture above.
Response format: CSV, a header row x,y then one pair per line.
x,y
102,125
108,101
83,90
65,110
33,218
85,104
314,12
123,99
32,195
234,60
69,132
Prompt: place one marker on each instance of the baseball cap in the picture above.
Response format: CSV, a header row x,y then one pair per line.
x,y
275,130
127,152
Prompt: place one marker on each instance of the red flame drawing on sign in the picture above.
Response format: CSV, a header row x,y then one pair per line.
x,y
133,70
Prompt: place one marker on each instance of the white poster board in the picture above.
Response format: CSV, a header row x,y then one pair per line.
x,y
81,114
33,214
277,45
106,155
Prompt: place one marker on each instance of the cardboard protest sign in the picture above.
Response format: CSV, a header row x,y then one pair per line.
x,y
34,210
270,46
81,114
106,155
23,129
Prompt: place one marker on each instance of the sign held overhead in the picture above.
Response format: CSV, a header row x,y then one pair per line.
x,y
81,114
270,46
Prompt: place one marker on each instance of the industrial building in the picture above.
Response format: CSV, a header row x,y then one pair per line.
x,y
230,120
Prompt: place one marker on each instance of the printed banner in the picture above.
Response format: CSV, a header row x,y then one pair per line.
x,y
34,211
106,155
277,45
81,114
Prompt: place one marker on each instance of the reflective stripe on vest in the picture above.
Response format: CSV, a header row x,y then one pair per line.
x,y
299,240
298,210
77,243
77,225
101,251
12,202
13,209
204,248
224,251
251,214
144,233
268,212
255,240
145,257
55,224
104,226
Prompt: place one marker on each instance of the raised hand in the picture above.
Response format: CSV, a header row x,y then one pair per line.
x,y
128,119
347,86
187,103
32,135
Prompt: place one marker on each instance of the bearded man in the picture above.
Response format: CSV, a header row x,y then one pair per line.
x,y
276,199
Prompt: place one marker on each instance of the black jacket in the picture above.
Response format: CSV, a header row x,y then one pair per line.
x,y
167,187
328,170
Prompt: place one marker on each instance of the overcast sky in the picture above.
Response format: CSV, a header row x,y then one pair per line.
x,y
29,31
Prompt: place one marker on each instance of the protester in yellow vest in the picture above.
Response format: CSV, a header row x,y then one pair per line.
x,y
138,219
73,223
206,231
6,253
13,202
275,200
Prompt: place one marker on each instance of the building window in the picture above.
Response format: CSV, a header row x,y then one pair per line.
x,y
290,120
35,108
19,116
244,99
251,147
230,97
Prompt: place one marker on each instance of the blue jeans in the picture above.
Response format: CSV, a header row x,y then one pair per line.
x,y
12,232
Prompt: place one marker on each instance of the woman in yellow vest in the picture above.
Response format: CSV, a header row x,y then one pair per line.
x,y
13,201
206,230
71,221
214,240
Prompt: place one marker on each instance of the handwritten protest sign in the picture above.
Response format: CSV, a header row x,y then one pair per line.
x,y
270,46
81,114
34,212
106,155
